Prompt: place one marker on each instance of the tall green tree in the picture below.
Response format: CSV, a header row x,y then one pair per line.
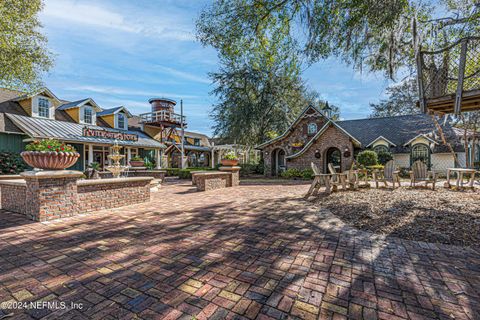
x,y
24,56
369,34
401,100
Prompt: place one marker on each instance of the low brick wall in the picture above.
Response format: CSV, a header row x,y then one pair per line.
x,y
157,174
12,195
102,194
212,180
48,195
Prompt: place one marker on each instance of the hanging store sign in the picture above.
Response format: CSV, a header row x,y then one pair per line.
x,y
89,132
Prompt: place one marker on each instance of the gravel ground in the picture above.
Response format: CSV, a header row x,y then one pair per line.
x,y
441,216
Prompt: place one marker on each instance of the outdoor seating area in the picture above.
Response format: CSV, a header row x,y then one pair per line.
x,y
419,175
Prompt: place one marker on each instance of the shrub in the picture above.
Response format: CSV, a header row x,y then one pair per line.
x,y
367,158
248,169
149,164
291,173
11,163
307,174
49,145
384,157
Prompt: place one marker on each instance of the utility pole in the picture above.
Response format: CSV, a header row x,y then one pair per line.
x,y
182,160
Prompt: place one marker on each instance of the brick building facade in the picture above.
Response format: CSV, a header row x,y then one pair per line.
x,y
313,137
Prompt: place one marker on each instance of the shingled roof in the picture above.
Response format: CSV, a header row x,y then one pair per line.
x,y
399,130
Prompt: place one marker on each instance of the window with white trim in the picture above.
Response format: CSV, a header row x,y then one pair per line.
x,y
88,115
312,129
420,152
380,148
43,107
121,121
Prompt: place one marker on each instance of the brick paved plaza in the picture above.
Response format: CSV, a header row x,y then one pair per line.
x,y
251,252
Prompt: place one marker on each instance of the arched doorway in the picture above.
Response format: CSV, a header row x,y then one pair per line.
x,y
333,156
278,161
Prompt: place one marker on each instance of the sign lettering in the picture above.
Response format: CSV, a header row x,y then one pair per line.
x,y
89,132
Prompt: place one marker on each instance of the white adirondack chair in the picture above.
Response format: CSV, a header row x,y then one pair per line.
x,y
318,181
339,179
420,173
389,174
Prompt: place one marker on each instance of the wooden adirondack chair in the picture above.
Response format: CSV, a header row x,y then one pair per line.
x,y
389,174
339,179
319,180
420,173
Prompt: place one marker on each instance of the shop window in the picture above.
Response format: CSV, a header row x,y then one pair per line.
x,y
43,107
312,129
88,115
420,152
380,149
196,142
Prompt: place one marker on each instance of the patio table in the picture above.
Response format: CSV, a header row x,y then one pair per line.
x,y
459,180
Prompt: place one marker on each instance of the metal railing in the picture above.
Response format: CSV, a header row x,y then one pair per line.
x,y
162,116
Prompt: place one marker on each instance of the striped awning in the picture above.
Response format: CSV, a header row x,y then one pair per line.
x,y
73,132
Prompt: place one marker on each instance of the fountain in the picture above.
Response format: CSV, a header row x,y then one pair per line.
x,y
116,169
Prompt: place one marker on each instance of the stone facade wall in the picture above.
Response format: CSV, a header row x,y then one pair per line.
x,y
332,137
93,197
13,197
298,134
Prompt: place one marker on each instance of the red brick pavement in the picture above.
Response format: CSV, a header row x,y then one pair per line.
x,y
251,252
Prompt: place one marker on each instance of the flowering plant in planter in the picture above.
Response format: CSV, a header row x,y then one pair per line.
x,y
229,159
50,154
136,162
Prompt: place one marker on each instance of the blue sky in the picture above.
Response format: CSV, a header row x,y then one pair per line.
x,y
122,52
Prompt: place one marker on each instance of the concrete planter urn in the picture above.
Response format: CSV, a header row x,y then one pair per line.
x,y
228,162
50,160
137,163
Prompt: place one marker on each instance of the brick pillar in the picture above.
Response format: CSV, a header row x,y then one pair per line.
x,y
51,194
235,175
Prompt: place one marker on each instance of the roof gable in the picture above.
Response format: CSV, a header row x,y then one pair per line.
x,y
43,91
80,103
309,111
114,110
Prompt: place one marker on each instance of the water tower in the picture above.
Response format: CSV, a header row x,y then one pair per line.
x,y
164,117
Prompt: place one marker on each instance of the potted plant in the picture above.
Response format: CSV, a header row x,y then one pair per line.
x,y
50,154
92,171
137,162
229,159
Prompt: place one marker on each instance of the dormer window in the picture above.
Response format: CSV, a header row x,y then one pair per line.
x,y
88,115
43,107
380,149
121,121
312,129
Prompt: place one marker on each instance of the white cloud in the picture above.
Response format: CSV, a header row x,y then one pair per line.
x,y
129,92
104,18
183,74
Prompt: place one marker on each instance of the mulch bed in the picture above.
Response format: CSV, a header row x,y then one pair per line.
x,y
441,216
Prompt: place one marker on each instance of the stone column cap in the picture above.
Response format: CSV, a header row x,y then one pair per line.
x,y
51,174
230,168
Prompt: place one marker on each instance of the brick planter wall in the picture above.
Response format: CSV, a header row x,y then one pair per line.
x,y
48,195
212,180
13,196
105,194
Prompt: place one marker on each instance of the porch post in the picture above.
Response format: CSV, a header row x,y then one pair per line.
x,y
212,158
129,154
158,158
90,154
